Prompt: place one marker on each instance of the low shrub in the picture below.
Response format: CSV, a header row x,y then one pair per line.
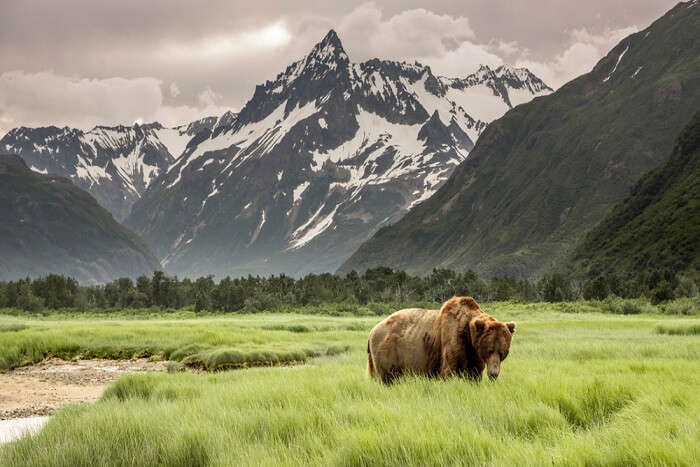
x,y
620,306
683,306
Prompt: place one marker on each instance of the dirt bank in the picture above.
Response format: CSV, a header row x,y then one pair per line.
x,y
40,389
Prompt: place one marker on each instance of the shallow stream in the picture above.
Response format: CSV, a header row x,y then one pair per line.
x,y
13,429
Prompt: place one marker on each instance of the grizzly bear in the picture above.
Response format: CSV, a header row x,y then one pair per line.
x,y
458,339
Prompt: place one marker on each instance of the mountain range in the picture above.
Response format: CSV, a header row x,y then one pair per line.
x,y
316,161
50,225
549,170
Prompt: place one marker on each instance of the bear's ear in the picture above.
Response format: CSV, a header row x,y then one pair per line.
x,y
511,327
479,325
451,306
470,303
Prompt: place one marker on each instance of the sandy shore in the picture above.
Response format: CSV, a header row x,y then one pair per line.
x,y
40,389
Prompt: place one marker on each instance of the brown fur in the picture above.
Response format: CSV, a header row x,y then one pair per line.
x,y
458,339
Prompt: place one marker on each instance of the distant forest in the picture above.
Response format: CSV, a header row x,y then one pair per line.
x,y
376,286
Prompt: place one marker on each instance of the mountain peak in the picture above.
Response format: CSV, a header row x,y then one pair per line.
x,y
330,49
433,132
331,38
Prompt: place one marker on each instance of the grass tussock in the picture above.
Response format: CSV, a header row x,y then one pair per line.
x,y
12,327
592,404
679,330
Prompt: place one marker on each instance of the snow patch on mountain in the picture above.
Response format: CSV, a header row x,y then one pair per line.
x,y
431,183
616,63
430,101
38,170
174,139
372,129
298,191
91,173
132,165
262,136
312,228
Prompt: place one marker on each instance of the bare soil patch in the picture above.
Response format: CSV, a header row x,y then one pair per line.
x,y
40,389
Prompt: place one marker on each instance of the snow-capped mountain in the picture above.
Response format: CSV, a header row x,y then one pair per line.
x,y
316,161
114,164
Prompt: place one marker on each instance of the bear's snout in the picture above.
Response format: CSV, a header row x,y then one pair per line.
x,y
493,366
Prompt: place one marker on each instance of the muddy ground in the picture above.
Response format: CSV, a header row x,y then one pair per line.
x,y
40,389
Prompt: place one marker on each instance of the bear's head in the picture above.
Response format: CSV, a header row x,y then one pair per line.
x,y
491,340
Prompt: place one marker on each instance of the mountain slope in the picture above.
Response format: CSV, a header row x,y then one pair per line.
x,y
316,161
114,164
657,226
50,226
549,170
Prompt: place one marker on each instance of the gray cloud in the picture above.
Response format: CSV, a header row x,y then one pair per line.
x,y
84,62
47,98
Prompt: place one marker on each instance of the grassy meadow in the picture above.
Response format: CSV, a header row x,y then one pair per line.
x,y
580,387
213,343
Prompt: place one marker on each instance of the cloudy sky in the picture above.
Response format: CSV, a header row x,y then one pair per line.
x,y
81,63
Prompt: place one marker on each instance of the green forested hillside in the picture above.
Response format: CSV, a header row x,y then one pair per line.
x,y
658,226
49,225
540,177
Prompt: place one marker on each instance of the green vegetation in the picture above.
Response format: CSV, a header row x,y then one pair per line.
x,y
549,170
658,226
579,388
48,224
377,291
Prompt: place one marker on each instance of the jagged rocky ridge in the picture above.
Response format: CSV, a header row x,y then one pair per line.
x,y
114,164
316,161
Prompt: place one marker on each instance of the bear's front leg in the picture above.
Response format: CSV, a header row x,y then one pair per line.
x,y
451,363
474,372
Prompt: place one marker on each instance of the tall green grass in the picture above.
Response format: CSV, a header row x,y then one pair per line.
x,y
577,389
210,343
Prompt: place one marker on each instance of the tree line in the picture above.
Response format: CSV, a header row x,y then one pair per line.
x,y
378,285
